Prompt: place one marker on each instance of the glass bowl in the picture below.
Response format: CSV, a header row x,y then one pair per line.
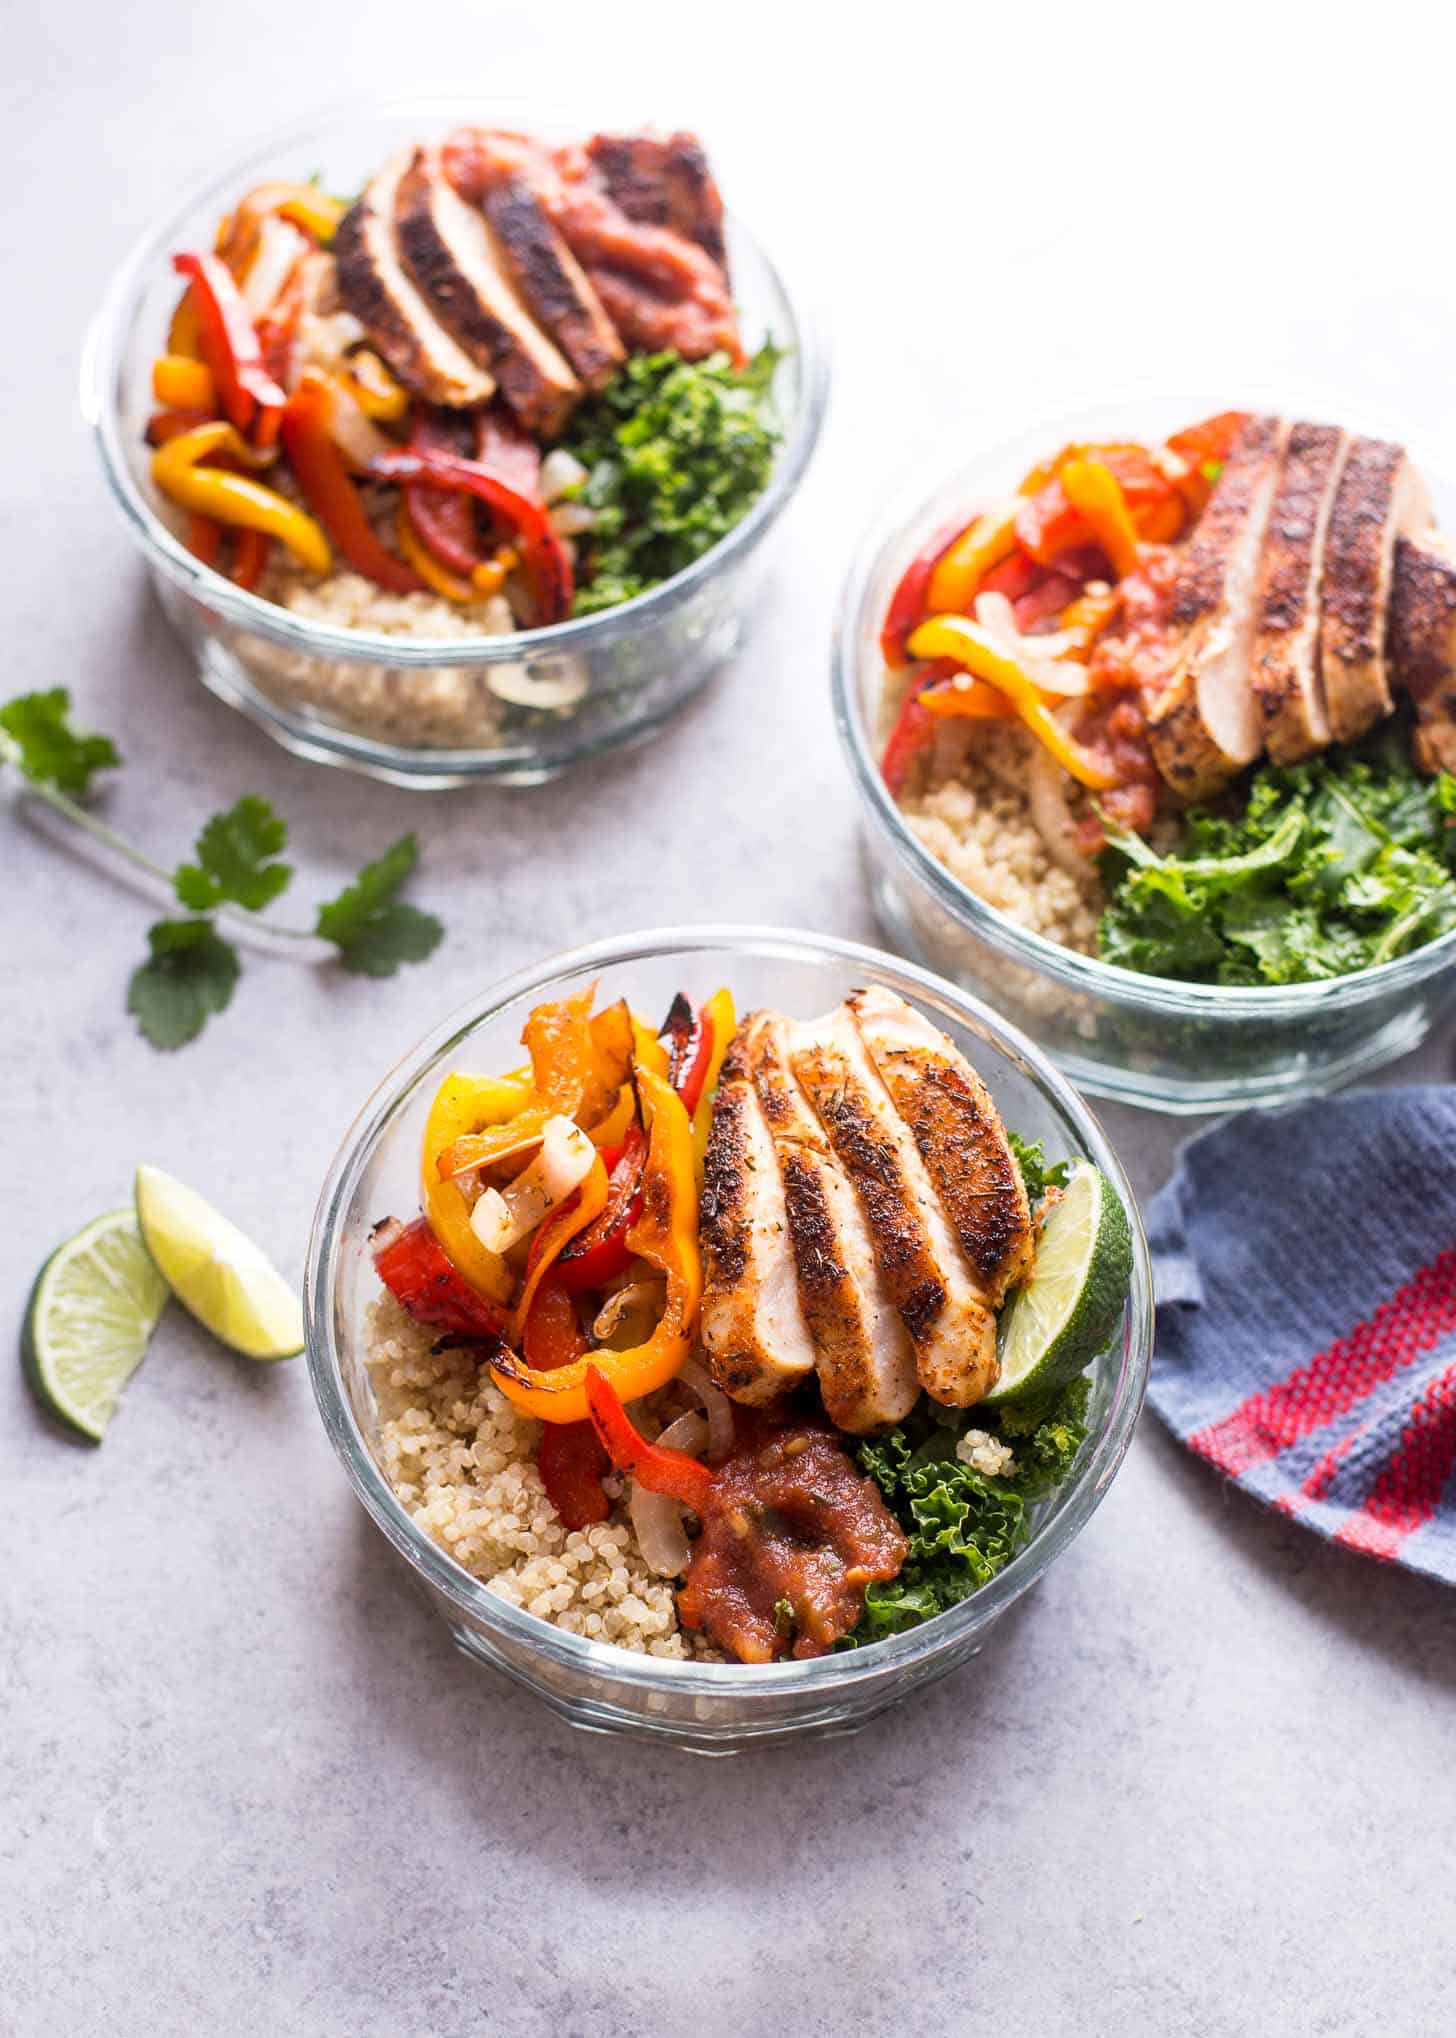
x,y
712,1708
1144,1040
416,711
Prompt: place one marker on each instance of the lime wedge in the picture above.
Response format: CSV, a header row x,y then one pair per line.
x,y
215,1271
91,1315
1060,1318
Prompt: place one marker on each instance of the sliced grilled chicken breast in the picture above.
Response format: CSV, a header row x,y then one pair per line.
x,y
663,181
751,1322
377,288
459,267
553,282
919,1257
1206,726
1285,669
959,1134
1421,644
863,1352
1380,498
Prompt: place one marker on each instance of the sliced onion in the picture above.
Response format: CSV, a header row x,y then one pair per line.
x,y
560,470
1044,660
718,1407
1047,788
657,1519
630,1313
279,248
503,1217
356,437
572,518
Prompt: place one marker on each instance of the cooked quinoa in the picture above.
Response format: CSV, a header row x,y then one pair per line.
x,y
463,1462
968,803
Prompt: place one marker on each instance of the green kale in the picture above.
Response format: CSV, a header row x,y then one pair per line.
x,y
45,746
963,1525
1037,1172
1330,867
676,452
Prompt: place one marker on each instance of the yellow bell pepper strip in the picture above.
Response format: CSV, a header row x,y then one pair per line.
x,y
666,1235
372,387
328,488
236,499
555,1233
719,1012
959,638
302,205
462,1105
250,397
648,1051
612,1130
961,567
182,383
1095,492
444,583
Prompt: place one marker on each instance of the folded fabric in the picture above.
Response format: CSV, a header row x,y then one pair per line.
x,y
1305,1271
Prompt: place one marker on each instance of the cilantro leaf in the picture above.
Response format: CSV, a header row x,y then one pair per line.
x,y
232,859
189,975
372,930
51,752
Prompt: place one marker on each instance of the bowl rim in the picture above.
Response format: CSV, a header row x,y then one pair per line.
x,y
836,1672
105,343
890,532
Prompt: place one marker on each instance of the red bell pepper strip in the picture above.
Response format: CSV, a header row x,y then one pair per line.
x,y
250,559
163,425
503,448
411,1263
571,1460
328,488
1047,599
443,519
690,1049
546,560
1016,576
659,1469
914,727
909,602
600,1252
204,538
231,348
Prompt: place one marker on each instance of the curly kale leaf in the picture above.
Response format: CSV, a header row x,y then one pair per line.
x,y
47,749
676,453
1037,1172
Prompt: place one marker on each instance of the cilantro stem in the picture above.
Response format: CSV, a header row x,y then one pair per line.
x,y
266,935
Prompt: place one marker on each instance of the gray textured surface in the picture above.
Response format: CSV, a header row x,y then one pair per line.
x,y
1200,1782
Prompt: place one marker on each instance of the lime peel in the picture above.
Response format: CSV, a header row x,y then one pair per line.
x,y
1063,1314
89,1321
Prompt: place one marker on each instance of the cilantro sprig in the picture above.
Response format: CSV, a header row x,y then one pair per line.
x,y
236,870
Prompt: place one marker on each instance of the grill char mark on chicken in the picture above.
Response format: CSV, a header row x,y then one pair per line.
x,y
959,1134
459,267
1380,498
663,182
377,288
751,1321
1285,670
1205,727
864,1356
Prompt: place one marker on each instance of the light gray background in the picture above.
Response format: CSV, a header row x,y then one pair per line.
x,y
1200,1783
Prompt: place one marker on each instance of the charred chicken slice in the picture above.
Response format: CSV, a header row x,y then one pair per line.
x,y
751,1322
1205,725
1380,498
514,183
959,1134
924,1270
663,181
863,1352
1421,644
378,289
1287,680
461,270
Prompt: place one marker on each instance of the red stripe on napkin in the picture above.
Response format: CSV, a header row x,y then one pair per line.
x,y
1404,1497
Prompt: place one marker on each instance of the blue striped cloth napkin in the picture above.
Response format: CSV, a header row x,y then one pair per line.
x,y
1305,1271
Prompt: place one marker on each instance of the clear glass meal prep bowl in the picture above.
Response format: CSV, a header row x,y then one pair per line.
x,y
711,1708
427,712
1144,1040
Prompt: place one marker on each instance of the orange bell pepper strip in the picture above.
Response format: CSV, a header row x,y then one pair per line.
x,y
977,701
1095,492
1089,615
446,584
204,538
302,205
958,572
249,396
178,471
328,488
183,384
666,1235
959,638
579,1063
555,1233
720,1015
250,559
372,386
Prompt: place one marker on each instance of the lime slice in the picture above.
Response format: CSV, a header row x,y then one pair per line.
x,y
215,1271
91,1315
1060,1318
